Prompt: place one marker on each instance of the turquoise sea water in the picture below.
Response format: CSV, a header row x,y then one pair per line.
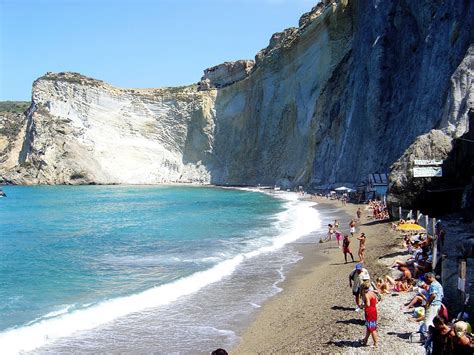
x,y
82,266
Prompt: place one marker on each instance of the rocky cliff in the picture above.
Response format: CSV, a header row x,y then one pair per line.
x,y
81,130
339,97
12,132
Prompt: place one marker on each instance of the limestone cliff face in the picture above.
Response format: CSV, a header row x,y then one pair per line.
x,y
82,130
339,97
346,93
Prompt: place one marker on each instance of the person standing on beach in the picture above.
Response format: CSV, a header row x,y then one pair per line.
x,y
433,303
337,233
338,238
370,311
356,278
330,231
352,226
359,214
362,238
346,249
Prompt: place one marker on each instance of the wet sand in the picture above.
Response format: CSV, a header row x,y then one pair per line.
x,y
315,311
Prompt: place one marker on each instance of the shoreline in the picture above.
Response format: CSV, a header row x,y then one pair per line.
x,y
63,343
315,310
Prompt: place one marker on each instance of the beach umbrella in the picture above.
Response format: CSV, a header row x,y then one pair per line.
x,y
410,227
343,188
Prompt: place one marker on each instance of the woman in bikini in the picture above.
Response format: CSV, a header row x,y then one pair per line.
x,y
387,284
330,232
362,238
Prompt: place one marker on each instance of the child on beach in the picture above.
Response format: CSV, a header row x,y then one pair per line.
x,y
352,226
370,312
345,248
330,231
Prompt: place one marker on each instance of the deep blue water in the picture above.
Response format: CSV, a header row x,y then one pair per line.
x,y
78,258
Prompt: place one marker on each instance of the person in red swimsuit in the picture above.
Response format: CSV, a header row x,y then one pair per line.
x,y
370,310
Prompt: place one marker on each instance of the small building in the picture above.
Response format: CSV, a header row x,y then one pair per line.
x,y
378,185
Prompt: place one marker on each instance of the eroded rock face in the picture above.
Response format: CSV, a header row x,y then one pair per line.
x,y
315,12
342,96
85,131
12,132
404,188
460,99
225,74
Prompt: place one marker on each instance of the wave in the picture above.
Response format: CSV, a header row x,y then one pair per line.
x,y
62,310
297,220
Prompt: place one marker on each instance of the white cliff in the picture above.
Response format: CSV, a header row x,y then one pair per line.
x,y
85,131
339,97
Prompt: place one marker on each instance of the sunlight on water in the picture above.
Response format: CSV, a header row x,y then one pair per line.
x,y
80,257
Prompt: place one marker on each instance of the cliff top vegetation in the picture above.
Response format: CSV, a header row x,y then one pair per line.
x,y
14,106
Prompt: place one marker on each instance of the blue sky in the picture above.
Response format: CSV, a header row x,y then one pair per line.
x,y
133,44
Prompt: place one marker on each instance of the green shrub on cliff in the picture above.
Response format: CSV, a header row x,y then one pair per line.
x,y
14,106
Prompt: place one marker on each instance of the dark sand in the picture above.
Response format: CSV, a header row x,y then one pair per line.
x,y
315,311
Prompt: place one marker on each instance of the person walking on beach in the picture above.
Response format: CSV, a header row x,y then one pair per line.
x,y
346,249
362,238
356,278
338,238
370,311
359,214
352,226
337,233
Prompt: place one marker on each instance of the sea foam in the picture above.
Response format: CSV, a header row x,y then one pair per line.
x,y
297,220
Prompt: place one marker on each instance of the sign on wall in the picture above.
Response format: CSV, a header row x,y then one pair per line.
x,y
428,162
428,171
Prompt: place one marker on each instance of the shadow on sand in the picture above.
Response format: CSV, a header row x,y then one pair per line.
x,y
377,221
337,264
352,321
345,343
400,335
341,308
392,255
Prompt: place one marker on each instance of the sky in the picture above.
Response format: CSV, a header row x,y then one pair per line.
x,y
133,44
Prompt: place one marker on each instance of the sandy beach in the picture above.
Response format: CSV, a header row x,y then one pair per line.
x,y
315,311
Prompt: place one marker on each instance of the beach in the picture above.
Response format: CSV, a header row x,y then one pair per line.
x,y
315,311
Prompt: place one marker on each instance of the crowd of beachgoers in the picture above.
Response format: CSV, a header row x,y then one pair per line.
x,y
439,331
378,290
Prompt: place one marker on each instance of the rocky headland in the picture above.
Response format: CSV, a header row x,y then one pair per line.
x,y
342,96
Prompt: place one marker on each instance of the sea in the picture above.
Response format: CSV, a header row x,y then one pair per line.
x,y
121,269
